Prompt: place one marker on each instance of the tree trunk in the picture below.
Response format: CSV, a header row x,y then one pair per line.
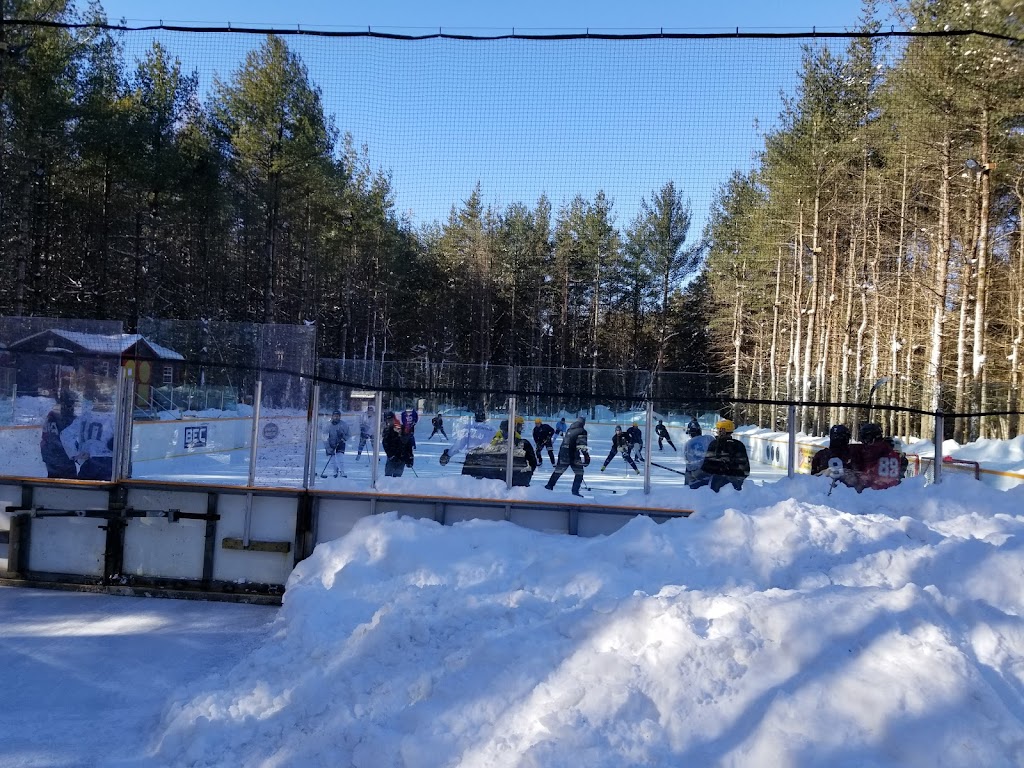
x,y
773,371
981,280
812,310
942,245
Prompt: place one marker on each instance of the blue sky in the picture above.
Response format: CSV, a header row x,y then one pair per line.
x,y
529,118
577,14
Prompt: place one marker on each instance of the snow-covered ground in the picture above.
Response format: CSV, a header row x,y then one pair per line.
x,y
777,626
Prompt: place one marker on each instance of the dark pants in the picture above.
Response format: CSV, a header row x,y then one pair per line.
x,y
394,468
363,440
625,456
97,468
577,481
717,482
436,430
667,440
540,457
65,469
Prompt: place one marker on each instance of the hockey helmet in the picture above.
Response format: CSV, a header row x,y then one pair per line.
x,y
636,423
538,420
725,425
618,428
693,429
870,432
839,433
336,416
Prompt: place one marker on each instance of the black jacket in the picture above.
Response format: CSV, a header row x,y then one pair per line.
x,y
635,435
819,462
397,446
620,440
573,444
726,456
542,434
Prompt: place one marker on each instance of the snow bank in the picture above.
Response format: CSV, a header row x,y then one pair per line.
x,y
800,629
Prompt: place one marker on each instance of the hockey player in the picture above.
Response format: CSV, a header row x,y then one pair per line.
x,y
875,461
438,424
695,450
726,461
397,446
662,432
499,441
54,455
574,452
472,435
543,438
561,428
365,430
836,461
89,441
409,420
337,437
636,442
620,444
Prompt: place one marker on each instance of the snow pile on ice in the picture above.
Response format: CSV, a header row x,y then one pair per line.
x,y
804,629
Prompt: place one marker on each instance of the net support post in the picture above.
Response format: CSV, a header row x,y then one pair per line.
x,y
252,460
510,442
312,426
378,403
647,448
940,430
123,408
791,447
255,434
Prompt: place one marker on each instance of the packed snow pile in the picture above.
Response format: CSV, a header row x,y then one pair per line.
x,y
780,627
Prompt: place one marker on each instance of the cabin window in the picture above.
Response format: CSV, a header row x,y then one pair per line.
x,y
168,375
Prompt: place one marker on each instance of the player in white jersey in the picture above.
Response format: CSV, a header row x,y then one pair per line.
x,y
89,441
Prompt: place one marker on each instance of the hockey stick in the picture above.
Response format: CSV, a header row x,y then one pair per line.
x,y
323,473
599,490
662,466
874,387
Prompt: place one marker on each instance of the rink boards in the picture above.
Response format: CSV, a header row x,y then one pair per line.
x,y
224,542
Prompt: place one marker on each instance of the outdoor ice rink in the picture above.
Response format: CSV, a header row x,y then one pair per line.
x,y
281,463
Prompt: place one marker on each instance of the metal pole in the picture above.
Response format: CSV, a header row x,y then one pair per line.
x,y
312,419
940,430
791,448
647,449
123,422
252,461
254,440
511,442
378,403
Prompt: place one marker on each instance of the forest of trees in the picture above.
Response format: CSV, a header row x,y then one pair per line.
x,y
877,236
124,195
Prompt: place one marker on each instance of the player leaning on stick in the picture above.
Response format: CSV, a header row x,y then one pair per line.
x,y
543,438
334,445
